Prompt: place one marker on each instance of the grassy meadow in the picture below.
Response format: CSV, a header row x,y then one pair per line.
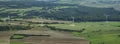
x,y
95,32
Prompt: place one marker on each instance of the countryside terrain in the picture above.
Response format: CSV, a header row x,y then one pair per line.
x,y
56,11
96,32
59,22
36,33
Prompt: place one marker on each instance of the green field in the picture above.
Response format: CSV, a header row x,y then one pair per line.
x,y
95,32
18,37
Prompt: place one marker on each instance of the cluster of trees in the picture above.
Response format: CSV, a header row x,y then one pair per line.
x,y
66,30
84,14
1,21
7,28
80,14
22,36
49,11
27,4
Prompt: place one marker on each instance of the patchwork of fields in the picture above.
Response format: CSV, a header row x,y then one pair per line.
x,y
85,33
27,33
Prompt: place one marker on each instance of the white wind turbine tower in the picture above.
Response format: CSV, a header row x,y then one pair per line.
x,y
73,21
42,22
9,20
107,18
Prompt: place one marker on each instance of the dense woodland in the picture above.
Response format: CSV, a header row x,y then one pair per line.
x,y
55,11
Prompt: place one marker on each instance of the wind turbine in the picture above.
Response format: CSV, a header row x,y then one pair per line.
x,y
9,20
107,18
42,22
73,21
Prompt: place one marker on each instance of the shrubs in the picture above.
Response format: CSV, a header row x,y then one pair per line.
x,y
118,35
81,30
22,36
66,30
46,22
1,21
10,27
118,26
77,34
4,28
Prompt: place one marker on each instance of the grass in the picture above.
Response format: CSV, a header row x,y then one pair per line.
x,y
89,25
105,39
18,36
95,32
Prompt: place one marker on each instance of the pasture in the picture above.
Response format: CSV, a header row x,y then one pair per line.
x,y
95,32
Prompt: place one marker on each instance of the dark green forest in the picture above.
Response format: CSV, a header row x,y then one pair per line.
x,y
55,11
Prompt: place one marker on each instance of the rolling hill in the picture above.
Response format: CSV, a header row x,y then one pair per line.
x,y
93,3
89,3
56,11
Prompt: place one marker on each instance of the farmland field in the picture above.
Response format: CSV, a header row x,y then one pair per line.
x,y
59,21
4,37
95,32
16,43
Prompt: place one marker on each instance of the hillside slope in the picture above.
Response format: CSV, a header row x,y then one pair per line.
x,y
93,3
89,3
56,11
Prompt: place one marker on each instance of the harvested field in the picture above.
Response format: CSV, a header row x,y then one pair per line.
x,y
39,40
53,34
55,37
5,37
